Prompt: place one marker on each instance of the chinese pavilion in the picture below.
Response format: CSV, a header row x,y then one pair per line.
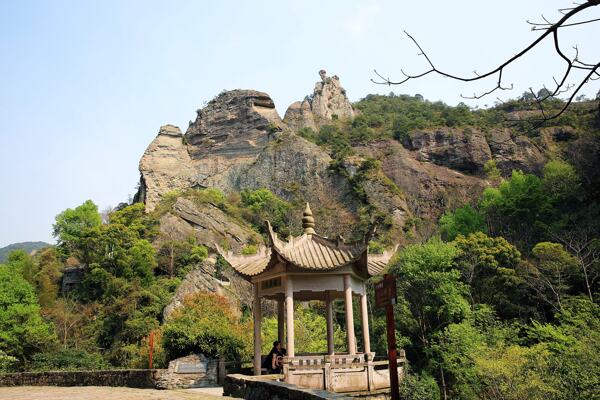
x,y
310,267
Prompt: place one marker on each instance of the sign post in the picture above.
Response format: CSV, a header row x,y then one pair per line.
x,y
150,349
385,297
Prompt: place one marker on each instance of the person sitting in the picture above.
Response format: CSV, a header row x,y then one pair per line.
x,y
274,360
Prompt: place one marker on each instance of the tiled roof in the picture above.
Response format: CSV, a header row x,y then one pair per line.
x,y
376,263
249,265
311,251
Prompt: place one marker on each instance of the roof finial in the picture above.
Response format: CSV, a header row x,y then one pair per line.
x,y
308,222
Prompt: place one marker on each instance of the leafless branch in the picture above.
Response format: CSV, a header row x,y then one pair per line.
x,y
561,86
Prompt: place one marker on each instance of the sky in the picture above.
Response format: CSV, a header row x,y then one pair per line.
x,y
85,85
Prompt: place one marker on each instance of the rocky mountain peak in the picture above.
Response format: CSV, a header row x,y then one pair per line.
x,y
233,120
327,102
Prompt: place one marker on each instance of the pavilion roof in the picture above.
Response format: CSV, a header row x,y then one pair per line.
x,y
310,252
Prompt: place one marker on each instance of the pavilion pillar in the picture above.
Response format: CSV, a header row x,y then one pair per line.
x,y
289,310
349,315
257,320
330,339
364,312
281,320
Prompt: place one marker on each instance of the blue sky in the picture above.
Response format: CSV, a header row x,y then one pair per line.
x,y
84,86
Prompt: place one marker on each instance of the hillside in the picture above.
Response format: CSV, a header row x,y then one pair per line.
x,y
25,246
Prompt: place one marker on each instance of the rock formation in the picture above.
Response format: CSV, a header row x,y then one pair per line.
x,y
238,141
227,134
327,102
165,166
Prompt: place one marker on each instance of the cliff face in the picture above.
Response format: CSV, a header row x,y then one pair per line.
x,y
166,165
238,141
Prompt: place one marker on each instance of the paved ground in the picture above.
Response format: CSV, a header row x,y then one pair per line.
x,y
106,393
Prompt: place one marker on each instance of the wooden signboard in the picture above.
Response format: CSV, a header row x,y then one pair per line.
x,y
385,291
385,297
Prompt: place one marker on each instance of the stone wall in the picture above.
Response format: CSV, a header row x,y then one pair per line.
x,y
135,378
193,371
267,387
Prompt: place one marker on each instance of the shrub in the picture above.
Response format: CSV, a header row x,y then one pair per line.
x,y
68,359
204,324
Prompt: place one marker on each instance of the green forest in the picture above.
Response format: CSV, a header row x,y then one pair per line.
x,y
499,302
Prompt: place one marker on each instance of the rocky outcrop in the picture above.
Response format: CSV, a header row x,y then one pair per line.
x,y
515,152
428,188
294,168
208,224
327,102
165,166
464,150
203,279
467,149
227,134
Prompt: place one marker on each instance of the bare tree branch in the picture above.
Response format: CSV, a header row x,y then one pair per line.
x,y
561,86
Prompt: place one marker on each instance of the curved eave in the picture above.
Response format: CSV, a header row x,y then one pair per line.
x,y
376,263
248,265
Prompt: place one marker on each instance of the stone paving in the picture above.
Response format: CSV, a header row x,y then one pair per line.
x,y
106,393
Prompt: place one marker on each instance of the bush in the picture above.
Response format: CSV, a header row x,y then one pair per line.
x,y
7,363
67,360
418,387
204,324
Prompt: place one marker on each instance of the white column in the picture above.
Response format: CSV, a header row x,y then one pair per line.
x,y
280,320
364,312
330,340
349,315
257,319
289,309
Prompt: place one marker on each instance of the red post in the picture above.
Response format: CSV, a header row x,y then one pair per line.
x,y
150,349
385,297
392,352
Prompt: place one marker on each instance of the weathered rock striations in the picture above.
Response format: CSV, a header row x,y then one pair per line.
x,y
327,102
465,150
428,188
165,166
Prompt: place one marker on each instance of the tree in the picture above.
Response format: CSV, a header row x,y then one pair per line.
x,y
23,264
73,228
551,273
463,221
561,182
48,277
310,332
23,332
204,324
488,268
578,233
574,64
516,208
431,295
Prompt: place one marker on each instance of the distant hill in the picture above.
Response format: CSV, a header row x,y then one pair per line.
x,y
27,246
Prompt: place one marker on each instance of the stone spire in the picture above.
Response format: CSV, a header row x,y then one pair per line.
x,y
308,222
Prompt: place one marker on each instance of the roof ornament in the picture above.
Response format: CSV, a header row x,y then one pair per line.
x,y
308,222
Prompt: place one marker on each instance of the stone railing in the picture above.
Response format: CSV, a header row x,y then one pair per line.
x,y
340,373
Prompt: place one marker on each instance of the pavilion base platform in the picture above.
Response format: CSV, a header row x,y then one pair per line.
x,y
318,377
340,373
